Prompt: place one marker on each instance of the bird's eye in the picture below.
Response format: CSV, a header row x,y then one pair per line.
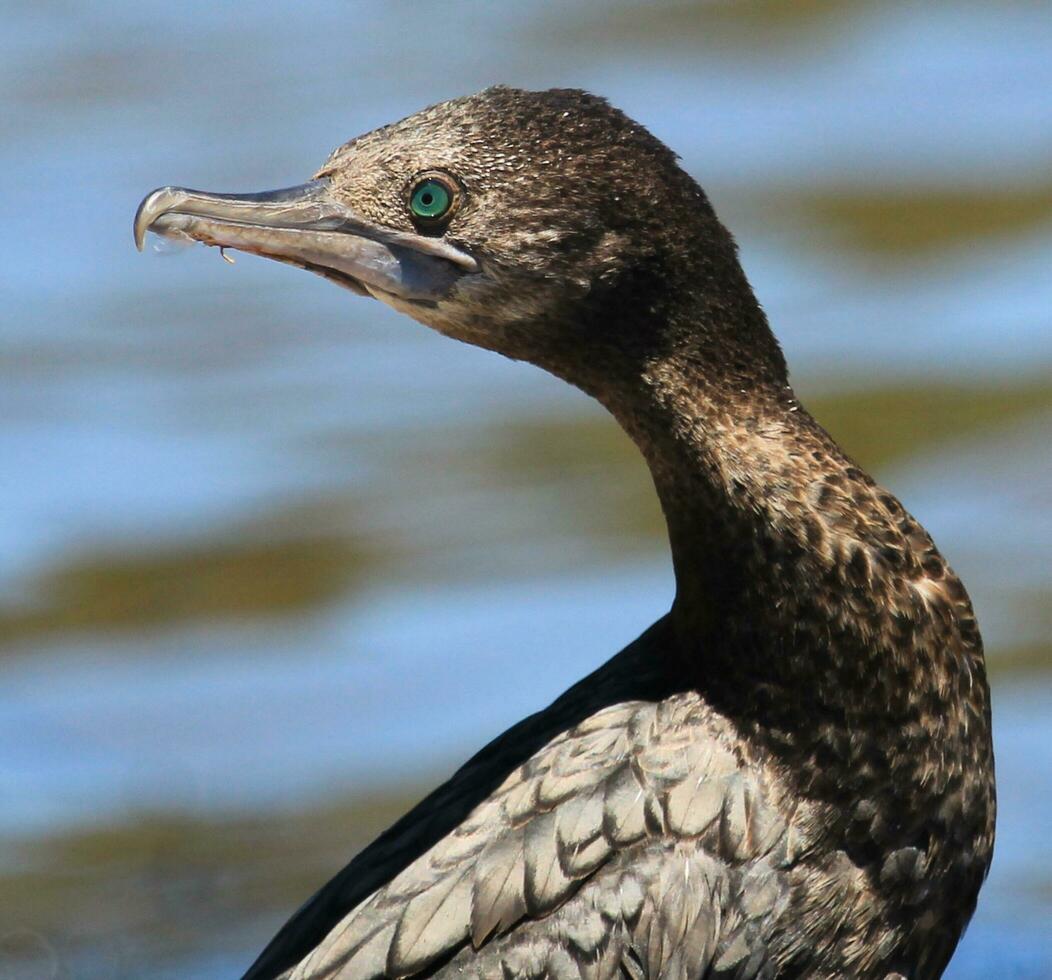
x,y
432,199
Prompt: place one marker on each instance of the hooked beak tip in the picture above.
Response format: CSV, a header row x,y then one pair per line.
x,y
149,210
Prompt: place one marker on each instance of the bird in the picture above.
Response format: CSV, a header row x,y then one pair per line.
x,y
788,775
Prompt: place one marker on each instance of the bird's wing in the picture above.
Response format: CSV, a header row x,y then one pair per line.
x,y
614,777
637,777
636,673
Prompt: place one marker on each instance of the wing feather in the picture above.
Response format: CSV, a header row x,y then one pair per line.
x,y
545,876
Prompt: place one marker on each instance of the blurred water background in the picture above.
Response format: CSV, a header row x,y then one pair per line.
x,y
273,560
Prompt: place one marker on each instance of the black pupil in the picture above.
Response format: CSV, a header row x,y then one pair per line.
x,y
427,197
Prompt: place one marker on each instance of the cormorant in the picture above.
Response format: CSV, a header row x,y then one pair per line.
x,y
790,774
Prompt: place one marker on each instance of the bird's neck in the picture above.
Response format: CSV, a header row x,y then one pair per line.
x,y
743,473
803,588
815,613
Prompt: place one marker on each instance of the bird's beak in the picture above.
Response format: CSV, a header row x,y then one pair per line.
x,y
308,227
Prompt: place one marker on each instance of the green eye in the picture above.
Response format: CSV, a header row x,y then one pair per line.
x,y
431,199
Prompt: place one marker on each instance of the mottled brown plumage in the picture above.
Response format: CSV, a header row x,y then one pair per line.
x,y
790,775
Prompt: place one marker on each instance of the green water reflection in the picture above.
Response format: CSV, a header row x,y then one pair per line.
x,y
102,901
576,477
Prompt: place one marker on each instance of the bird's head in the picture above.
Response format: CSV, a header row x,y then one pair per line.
x,y
547,226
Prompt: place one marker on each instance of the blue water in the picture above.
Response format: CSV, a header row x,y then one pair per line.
x,y
154,402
